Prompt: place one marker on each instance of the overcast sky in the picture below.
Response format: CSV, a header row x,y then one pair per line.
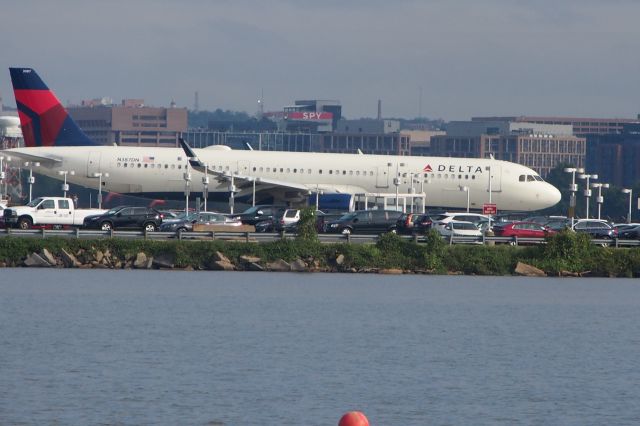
x,y
467,57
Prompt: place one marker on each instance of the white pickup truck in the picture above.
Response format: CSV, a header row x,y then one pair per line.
x,y
56,212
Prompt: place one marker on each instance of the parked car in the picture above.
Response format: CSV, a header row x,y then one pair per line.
x,y
461,229
480,220
56,212
186,223
365,222
259,213
126,217
522,230
629,232
414,223
596,228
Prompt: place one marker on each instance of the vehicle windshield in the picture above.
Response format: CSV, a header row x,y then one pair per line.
x,y
114,210
34,202
252,210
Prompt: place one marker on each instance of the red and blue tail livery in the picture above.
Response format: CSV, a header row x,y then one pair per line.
x,y
44,121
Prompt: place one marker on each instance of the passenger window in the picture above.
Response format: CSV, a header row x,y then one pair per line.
x,y
63,204
48,204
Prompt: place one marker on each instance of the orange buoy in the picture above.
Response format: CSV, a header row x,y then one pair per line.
x,y
354,418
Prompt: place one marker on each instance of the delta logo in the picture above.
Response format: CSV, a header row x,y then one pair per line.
x,y
427,168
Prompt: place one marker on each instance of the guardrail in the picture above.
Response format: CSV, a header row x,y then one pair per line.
x,y
269,237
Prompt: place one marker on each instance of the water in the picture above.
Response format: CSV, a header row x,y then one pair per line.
x,y
130,347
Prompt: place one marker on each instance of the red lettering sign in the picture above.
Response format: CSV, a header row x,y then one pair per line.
x,y
309,116
489,209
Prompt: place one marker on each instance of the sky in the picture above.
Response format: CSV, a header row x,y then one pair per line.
x,y
448,59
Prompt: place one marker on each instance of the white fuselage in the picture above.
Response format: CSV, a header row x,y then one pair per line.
x,y
149,170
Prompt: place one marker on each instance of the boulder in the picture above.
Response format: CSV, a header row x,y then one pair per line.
x,y
35,260
249,259
390,271
165,260
279,266
141,261
46,255
298,265
99,256
217,256
339,260
253,266
529,271
69,260
221,265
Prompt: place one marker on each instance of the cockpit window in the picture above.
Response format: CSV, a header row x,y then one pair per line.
x,y
522,178
538,178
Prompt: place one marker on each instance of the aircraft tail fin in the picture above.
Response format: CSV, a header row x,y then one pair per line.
x,y
44,121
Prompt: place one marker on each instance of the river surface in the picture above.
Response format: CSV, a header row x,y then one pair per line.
x,y
83,347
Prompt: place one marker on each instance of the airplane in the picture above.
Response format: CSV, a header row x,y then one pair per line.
x,y
55,141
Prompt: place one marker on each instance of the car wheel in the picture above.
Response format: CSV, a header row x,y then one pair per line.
x,y
106,226
150,227
25,223
346,231
182,229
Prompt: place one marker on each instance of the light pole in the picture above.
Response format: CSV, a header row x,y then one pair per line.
x,y
232,195
396,182
587,191
187,180
600,198
32,179
489,169
573,188
630,192
65,187
100,175
205,183
3,174
466,189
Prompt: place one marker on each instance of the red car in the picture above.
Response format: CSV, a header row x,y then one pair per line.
x,y
522,230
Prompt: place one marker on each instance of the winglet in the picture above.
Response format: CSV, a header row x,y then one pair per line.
x,y
194,161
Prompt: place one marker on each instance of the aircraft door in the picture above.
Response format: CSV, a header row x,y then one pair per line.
x,y
382,176
93,163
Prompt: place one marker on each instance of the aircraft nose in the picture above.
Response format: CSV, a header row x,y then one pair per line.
x,y
550,196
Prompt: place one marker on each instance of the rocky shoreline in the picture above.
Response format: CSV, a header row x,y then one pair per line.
x,y
99,259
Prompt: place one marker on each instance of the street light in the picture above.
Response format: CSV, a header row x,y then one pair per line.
x,y
587,191
65,187
32,180
100,175
396,182
630,192
205,183
187,180
600,199
573,188
3,174
466,189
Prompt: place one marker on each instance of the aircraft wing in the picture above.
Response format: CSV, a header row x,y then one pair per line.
x,y
243,182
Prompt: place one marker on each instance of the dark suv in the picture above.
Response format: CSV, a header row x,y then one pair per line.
x,y
126,217
260,213
365,222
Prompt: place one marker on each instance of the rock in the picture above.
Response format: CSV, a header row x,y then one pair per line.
x,y
279,266
298,266
141,261
35,260
220,265
165,260
529,271
249,259
99,256
390,271
98,265
253,266
46,255
217,256
339,260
